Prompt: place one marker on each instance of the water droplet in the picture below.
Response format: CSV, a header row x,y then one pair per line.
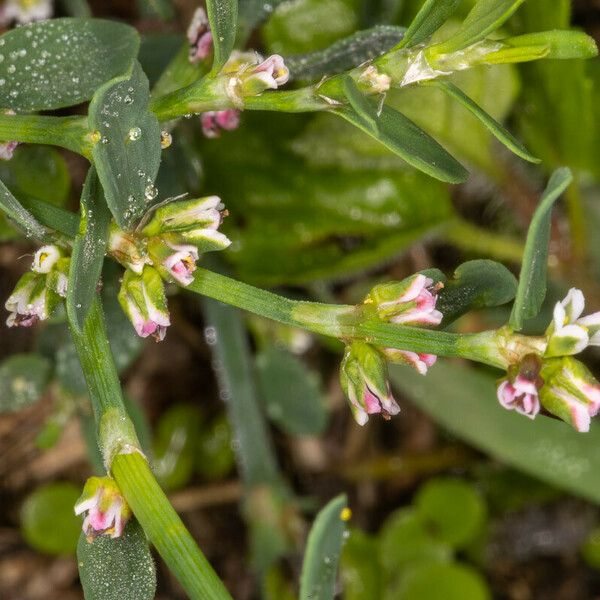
x,y
128,99
134,134
150,192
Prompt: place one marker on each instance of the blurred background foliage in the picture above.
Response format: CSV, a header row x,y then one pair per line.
x,y
454,498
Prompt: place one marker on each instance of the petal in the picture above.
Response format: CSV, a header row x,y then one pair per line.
x,y
559,316
574,303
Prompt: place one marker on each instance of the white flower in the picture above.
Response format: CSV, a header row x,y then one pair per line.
x,y
25,11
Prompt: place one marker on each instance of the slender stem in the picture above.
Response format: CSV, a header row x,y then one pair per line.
x,y
165,529
120,449
66,132
348,322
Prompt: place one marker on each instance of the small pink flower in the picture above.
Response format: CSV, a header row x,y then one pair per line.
x,y
182,264
107,511
7,149
199,36
273,71
215,121
420,300
521,395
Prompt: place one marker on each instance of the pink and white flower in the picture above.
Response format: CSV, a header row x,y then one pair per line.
x,y
106,510
181,264
30,301
521,395
7,149
420,362
213,122
570,333
199,36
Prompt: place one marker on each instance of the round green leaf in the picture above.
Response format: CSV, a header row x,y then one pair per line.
x,y
61,62
117,569
291,393
214,453
48,522
359,568
404,539
23,378
439,581
451,509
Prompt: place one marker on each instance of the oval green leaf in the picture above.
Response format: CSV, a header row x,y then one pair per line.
x,y
23,379
62,62
127,154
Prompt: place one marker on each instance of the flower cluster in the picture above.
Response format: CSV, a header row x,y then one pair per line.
x,y
249,74
213,122
411,302
556,382
39,291
107,511
165,248
199,37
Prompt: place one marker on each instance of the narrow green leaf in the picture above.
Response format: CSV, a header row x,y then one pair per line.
x,y
127,155
82,55
544,448
361,105
53,217
485,17
497,129
345,54
532,280
561,44
21,216
222,15
88,250
432,15
476,284
410,142
323,549
291,393
117,569
23,379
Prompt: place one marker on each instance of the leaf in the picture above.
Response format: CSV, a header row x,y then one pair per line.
x,y
546,449
361,105
532,280
222,16
360,571
410,142
62,62
345,54
117,569
291,393
497,129
53,217
37,171
23,379
89,249
560,44
20,216
214,449
485,17
127,156
319,569
252,13
476,284
48,522
308,25
452,509
436,581
432,15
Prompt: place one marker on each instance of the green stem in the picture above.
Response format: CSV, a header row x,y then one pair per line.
x,y
165,529
120,449
577,220
67,132
351,322
471,238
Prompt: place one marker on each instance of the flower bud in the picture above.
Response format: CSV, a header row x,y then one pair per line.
x,y
408,302
418,361
142,298
199,36
570,392
213,122
570,333
174,262
364,379
107,511
520,390
45,259
58,279
31,301
127,249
